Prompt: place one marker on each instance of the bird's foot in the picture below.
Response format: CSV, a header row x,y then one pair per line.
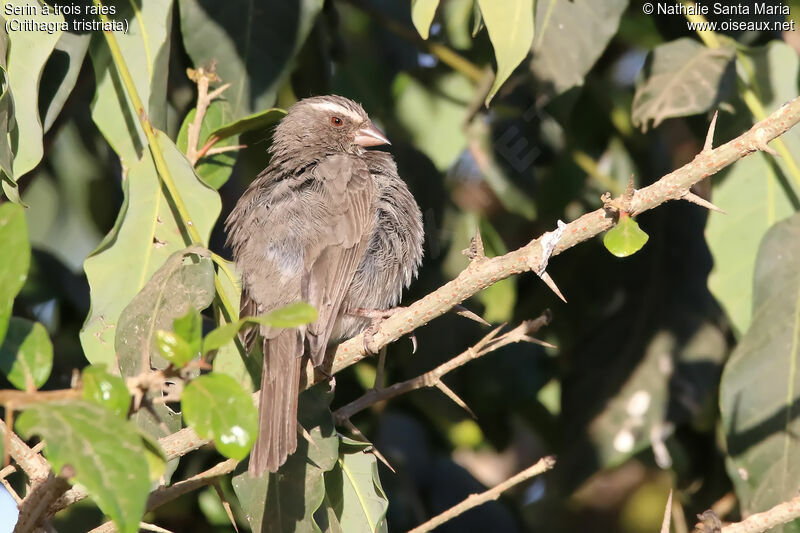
x,y
376,316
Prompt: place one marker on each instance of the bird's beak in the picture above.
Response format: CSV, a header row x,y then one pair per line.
x,y
369,135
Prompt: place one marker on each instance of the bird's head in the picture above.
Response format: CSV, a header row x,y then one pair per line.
x,y
325,125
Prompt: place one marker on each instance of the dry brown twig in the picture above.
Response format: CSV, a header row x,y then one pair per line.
x,y
432,378
543,465
203,77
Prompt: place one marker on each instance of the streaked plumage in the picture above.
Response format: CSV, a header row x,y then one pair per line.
x,y
327,222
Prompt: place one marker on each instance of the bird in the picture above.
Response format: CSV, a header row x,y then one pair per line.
x,y
329,222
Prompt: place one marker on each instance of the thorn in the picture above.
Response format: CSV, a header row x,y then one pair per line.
x,y
413,338
307,436
708,146
695,199
488,338
475,252
379,370
226,505
764,147
453,396
460,310
667,514
534,340
375,451
218,91
552,284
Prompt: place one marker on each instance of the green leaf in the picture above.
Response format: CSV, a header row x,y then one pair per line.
x,y
422,13
143,237
228,359
510,27
754,192
145,47
760,386
681,78
7,122
105,389
217,407
355,491
189,327
156,458
253,44
287,500
214,170
27,53
26,354
104,450
626,238
186,280
560,60
256,121
434,117
173,348
60,74
14,266
290,316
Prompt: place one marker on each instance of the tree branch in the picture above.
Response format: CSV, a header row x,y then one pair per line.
x,y
543,465
480,274
489,343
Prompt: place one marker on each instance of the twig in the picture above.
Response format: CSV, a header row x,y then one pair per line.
x,y
34,465
667,514
481,274
34,507
162,495
489,343
543,465
756,523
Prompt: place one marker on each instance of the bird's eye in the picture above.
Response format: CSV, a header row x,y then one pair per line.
x,y
336,121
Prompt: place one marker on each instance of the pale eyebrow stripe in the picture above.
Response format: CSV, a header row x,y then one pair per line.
x,y
336,108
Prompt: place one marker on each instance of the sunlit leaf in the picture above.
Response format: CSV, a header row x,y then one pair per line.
x,y
61,73
105,389
292,315
217,407
26,354
754,193
422,13
27,53
104,450
189,327
145,47
510,27
173,348
14,267
626,238
142,239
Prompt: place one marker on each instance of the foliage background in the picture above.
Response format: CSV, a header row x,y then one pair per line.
x,y
629,402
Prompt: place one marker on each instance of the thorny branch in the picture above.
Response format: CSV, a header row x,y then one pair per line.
x,y
543,465
489,343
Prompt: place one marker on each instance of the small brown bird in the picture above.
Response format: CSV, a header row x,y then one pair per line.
x,y
327,222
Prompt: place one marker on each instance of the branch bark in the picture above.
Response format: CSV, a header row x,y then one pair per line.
x,y
543,465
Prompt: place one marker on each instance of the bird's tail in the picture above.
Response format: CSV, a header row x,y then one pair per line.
x,y
277,411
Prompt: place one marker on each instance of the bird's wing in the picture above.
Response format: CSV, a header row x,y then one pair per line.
x,y
346,186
